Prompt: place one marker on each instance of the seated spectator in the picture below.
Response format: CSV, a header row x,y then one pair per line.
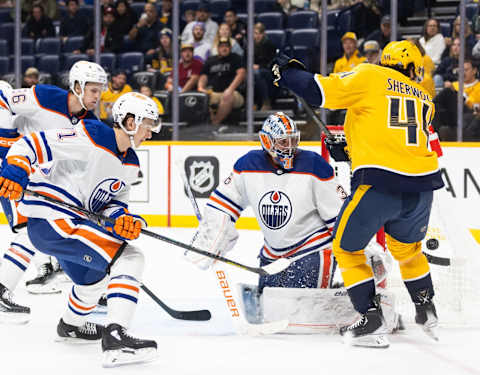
x,y
432,40
145,32
116,88
469,36
447,71
72,23
50,8
351,56
126,17
111,40
147,90
201,15
224,32
30,78
38,24
238,28
264,52
201,45
340,4
445,120
371,50
163,61
189,16
220,78
382,35
165,15
189,70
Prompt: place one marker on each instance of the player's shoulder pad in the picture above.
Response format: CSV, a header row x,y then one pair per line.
x,y
131,158
51,97
312,163
255,160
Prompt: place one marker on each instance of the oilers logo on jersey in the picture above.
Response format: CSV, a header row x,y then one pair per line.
x,y
104,192
275,209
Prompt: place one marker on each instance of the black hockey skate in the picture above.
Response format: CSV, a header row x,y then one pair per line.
x,y
101,305
119,348
11,312
86,334
369,330
44,282
426,315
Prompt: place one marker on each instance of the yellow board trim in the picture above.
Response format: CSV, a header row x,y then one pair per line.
x,y
476,234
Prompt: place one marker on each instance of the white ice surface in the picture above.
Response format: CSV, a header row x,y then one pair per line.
x,y
213,347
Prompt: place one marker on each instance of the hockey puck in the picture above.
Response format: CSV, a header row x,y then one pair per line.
x,y
432,244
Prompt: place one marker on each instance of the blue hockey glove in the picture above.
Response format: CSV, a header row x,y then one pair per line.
x,y
14,177
282,62
337,149
126,226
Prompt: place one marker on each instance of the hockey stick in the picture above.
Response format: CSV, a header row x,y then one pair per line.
x,y
270,269
311,113
239,321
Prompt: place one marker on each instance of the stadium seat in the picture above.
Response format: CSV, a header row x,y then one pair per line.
x,y
28,46
240,6
137,8
70,59
344,21
73,43
108,61
45,78
62,80
48,46
4,65
189,4
49,64
302,19
262,6
25,62
278,37
271,20
128,44
305,37
332,17
218,8
145,78
445,28
10,78
471,10
87,12
302,53
243,17
7,31
131,61
193,107
4,47
334,48
5,15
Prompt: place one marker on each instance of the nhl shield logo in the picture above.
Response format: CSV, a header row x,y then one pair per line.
x,y
202,174
275,209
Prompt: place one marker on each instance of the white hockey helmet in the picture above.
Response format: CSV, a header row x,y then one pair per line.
x,y
280,137
138,105
85,71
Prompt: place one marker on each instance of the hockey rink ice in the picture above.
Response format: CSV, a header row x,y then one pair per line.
x,y
213,347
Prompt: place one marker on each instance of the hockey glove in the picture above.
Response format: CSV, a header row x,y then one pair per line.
x,y
337,149
282,62
126,226
14,177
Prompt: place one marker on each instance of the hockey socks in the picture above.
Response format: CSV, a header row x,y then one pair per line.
x,y
360,286
417,279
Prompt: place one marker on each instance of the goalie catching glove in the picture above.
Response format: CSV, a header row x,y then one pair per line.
x,y
14,177
282,62
126,226
215,234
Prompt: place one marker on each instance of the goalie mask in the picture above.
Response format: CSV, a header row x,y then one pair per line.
x,y
280,137
140,107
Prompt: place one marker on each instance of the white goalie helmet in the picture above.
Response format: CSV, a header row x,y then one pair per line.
x,y
83,72
138,105
280,137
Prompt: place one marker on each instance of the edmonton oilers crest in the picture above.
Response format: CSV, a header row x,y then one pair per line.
x,y
104,192
275,209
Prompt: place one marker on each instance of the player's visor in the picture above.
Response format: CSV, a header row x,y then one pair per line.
x,y
151,124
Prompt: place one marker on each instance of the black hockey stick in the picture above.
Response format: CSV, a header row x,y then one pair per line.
x,y
311,114
200,315
270,269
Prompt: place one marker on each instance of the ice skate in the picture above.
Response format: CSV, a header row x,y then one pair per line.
x,y
101,305
426,316
86,334
119,348
45,282
368,331
11,312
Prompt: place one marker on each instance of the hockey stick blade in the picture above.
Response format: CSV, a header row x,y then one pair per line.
x,y
101,219
198,315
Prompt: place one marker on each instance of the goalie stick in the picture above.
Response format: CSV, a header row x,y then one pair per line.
x,y
270,269
221,277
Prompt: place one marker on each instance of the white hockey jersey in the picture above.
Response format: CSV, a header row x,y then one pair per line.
x,y
88,171
296,209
